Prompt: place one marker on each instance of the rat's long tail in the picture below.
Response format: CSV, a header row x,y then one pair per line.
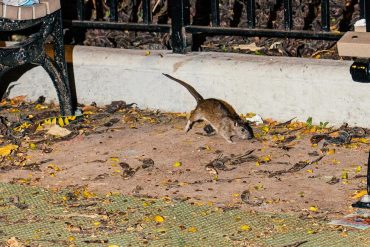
x,y
193,92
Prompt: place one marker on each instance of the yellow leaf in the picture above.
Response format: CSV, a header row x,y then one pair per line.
x,y
39,127
147,53
266,158
158,219
54,167
60,122
97,223
177,164
331,151
265,129
71,238
309,171
6,150
40,107
13,110
359,194
344,174
192,229
88,112
86,194
363,140
236,195
258,164
245,228
313,208
32,146
114,159
113,245
66,121
310,231
358,169
47,121
258,186
54,121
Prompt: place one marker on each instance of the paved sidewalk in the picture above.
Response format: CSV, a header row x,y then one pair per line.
x,y
37,217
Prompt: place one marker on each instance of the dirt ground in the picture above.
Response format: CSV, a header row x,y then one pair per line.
x,y
146,153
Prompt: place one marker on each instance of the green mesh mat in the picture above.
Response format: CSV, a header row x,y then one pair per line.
x,y
38,217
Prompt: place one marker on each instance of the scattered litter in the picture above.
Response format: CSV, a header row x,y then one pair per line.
x,y
256,119
127,171
56,130
360,220
297,167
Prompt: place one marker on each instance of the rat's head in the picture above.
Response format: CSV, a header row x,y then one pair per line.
x,y
243,130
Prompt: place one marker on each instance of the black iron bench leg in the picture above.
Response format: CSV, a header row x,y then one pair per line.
x,y
61,85
58,70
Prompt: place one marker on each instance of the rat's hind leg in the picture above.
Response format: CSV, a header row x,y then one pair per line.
x,y
194,117
189,125
225,133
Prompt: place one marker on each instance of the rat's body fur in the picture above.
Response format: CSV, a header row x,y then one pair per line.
x,y
218,113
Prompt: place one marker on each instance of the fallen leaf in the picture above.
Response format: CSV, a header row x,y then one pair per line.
x,y
245,228
158,219
310,231
251,47
359,194
331,151
358,169
313,208
56,130
14,242
192,229
177,164
6,150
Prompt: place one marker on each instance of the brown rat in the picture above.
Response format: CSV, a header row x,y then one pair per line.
x,y
218,113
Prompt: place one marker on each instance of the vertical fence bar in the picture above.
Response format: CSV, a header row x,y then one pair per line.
x,y
80,10
215,13
178,28
288,15
186,7
113,10
251,13
325,15
99,10
367,14
147,12
362,9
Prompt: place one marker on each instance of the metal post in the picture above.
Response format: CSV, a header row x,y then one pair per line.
x,y
288,16
365,200
251,13
147,12
215,13
80,10
178,28
325,15
366,12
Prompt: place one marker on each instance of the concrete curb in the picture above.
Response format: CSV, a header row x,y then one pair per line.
x,y
276,87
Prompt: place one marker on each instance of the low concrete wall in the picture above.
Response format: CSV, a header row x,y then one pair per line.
x,y
276,87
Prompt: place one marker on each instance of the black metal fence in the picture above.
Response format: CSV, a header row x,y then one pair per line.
x,y
180,22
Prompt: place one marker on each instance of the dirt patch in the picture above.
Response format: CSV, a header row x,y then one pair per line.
x,y
145,153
